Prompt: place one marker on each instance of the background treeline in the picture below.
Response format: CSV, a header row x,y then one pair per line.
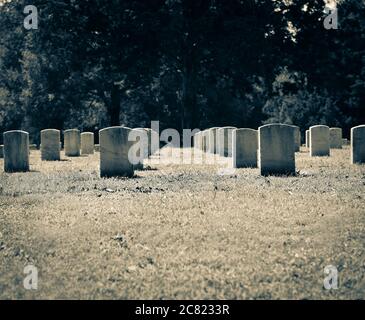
x,y
187,63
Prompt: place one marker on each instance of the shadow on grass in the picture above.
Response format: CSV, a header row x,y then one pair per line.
x,y
148,168
32,171
61,160
121,178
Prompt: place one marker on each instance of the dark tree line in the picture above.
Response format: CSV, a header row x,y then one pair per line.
x,y
187,63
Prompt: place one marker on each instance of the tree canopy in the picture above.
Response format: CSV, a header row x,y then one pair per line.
x,y
187,63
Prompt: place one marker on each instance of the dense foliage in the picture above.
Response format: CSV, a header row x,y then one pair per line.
x,y
187,63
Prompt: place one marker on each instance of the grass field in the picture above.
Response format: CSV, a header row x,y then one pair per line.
x,y
183,232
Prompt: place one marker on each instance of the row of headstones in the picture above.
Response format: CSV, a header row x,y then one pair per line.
x,y
223,140
272,147
114,150
335,140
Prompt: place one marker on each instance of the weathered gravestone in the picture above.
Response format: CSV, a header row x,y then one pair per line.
x,y
87,143
212,140
307,138
297,138
198,140
205,140
114,150
97,148
224,139
155,142
50,145
276,150
197,150
16,151
245,146
72,142
358,145
142,151
149,135
336,138
319,141
1,151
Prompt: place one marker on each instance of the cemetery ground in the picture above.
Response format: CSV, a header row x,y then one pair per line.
x,y
183,232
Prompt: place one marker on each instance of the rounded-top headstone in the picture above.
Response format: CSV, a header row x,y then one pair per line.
x,y
224,139
276,150
50,145
143,149
145,143
16,151
245,146
72,142
307,139
149,134
205,140
358,145
336,138
114,149
212,140
319,141
87,143
297,138
198,140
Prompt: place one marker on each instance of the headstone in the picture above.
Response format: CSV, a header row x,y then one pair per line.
x,y
97,148
345,142
198,140
155,141
297,138
245,146
205,140
276,150
307,139
87,143
149,134
319,141
50,145
358,145
16,151
114,149
336,138
212,140
1,151
139,166
225,141
72,142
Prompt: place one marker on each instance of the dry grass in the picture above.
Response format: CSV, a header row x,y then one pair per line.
x,y
183,231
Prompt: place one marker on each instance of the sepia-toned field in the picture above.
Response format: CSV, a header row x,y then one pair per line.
x,y
184,232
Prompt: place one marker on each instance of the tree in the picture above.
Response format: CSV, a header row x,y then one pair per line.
x,y
11,81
